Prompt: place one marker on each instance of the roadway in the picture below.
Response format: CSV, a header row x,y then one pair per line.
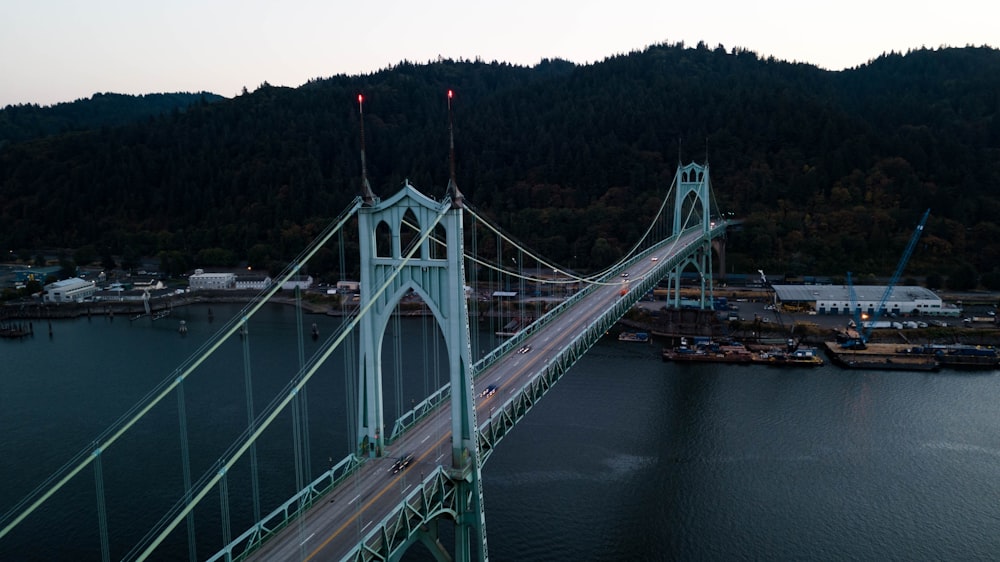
x,y
336,525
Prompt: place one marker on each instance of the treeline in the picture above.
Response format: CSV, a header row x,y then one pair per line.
x,y
29,121
830,170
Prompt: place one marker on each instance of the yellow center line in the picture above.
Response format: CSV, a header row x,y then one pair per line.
x,y
352,518
373,500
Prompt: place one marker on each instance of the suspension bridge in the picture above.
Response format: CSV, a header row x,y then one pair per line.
x,y
409,475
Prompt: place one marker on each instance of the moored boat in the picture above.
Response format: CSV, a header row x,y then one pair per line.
x,y
708,351
799,357
640,337
960,356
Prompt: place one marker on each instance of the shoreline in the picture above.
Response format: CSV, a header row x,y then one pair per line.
x,y
59,311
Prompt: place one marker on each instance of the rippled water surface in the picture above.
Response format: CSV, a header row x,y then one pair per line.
x,y
628,458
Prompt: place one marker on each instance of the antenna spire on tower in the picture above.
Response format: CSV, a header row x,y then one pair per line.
x,y
456,195
366,189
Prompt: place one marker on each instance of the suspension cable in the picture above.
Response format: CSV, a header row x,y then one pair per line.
x,y
237,450
106,439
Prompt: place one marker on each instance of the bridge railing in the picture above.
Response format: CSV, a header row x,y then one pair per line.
x,y
408,419
436,495
278,519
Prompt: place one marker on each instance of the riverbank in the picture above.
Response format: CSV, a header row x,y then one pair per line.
x,y
54,311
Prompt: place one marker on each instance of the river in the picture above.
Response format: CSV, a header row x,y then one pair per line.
x,y
628,458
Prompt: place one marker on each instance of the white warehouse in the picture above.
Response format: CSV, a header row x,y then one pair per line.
x,y
73,289
202,280
834,299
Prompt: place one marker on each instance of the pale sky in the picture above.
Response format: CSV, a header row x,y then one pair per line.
x,y
62,50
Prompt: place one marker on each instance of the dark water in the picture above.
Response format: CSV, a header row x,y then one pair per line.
x,y
628,458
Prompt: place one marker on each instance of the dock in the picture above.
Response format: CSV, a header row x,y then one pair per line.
x,y
903,357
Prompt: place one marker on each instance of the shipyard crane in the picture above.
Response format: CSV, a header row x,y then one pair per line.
x,y
864,333
856,342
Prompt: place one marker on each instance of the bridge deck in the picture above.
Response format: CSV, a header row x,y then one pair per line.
x,y
367,512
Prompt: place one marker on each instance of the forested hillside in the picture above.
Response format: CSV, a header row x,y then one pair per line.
x,y
27,121
830,170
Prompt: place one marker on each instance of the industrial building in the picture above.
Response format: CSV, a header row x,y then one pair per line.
x,y
202,280
837,299
70,290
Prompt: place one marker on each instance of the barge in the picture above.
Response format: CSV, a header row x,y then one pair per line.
x,y
639,337
705,350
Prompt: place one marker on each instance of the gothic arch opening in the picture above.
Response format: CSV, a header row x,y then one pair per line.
x,y
414,361
691,210
439,243
383,240
409,233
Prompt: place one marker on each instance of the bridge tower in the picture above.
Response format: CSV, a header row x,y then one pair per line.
x,y
417,244
693,189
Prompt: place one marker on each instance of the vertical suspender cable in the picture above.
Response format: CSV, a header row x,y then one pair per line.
x,y
297,408
350,359
520,288
351,388
397,337
496,302
425,340
302,419
473,270
186,468
102,510
436,354
251,423
297,453
538,291
227,534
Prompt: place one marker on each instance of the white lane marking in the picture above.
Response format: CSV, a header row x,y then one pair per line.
x,y
307,539
366,525
441,456
425,439
356,498
407,488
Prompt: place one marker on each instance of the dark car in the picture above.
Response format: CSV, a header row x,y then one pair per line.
x,y
402,462
490,391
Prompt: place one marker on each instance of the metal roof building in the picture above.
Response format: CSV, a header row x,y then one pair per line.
x,y
73,289
836,299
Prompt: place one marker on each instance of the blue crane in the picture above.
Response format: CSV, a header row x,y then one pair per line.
x,y
864,333
859,342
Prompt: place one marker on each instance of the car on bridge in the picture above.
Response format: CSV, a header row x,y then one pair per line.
x,y
488,391
402,462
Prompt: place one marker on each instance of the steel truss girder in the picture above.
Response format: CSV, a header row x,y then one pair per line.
x,y
278,519
437,496
504,418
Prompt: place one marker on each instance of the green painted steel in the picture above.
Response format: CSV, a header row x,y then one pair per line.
x,y
693,184
414,519
508,414
440,282
455,491
439,495
251,539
